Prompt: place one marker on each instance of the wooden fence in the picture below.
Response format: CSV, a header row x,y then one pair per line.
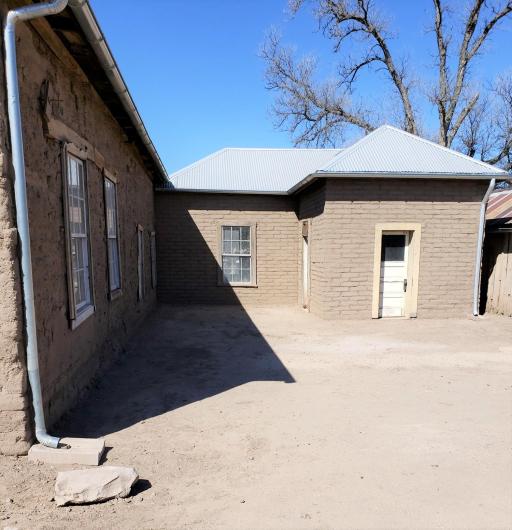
x,y
496,293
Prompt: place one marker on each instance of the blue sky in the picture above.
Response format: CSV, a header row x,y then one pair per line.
x,y
193,69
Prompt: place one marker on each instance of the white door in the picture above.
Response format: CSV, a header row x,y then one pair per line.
x,y
305,271
393,274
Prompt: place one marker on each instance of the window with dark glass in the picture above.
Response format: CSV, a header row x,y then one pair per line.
x,y
393,247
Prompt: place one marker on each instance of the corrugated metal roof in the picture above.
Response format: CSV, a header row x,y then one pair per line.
x,y
499,205
499,211
250,170
388,150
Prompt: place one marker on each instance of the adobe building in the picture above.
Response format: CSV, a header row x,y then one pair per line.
x,y
388,227
90,170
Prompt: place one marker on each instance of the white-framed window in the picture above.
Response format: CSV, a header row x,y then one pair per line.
x,y
79,262
237,254
153,259
140,261
112,230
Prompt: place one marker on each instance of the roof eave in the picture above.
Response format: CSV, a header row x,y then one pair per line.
x,y
88,24
230,192
377,175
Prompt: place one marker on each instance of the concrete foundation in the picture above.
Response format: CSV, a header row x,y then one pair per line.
x,y
84,451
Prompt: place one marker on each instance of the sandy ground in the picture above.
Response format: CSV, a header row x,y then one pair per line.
x,y
277,419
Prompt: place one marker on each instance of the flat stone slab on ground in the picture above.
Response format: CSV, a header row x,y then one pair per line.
x,y
83,486
84,451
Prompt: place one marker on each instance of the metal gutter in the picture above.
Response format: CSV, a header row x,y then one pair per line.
x,y
20,196
479,249
96,39
318,175
232,192
448,176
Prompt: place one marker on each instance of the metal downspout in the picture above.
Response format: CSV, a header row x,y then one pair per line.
x,y
20,196
479,249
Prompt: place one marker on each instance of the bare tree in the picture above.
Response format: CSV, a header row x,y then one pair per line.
x,y
487,130
320,113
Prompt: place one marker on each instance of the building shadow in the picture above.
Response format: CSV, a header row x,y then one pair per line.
x,y
183,353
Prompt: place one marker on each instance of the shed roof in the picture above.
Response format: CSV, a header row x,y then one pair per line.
x,y
500,205
386,152
499,211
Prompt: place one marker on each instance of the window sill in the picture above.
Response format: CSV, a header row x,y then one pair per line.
x,y
82,317
114,295
236,284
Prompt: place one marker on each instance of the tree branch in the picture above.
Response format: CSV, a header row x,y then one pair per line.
x,y
343,18
469,47
313,113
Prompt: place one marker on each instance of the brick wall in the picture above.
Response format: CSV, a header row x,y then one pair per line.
x,y
342,240
188,247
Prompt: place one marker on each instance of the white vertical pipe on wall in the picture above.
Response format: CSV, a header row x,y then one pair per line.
x,y
20,195
479,249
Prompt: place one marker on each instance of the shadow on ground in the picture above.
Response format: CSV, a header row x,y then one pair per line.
x,y
181,355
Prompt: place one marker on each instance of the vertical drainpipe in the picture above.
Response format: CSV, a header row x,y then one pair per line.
x,y
479,249
20,196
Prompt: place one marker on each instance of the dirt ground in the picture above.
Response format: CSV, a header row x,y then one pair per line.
x,y
277,419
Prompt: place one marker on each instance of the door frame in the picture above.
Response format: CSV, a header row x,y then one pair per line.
x,y
407,237
413,265
306,264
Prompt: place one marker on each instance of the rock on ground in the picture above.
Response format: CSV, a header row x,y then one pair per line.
x,y
99,484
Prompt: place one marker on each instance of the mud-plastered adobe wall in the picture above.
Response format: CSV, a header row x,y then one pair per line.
x,y
52,86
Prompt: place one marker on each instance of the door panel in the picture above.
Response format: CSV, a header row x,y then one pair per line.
x,y
393,274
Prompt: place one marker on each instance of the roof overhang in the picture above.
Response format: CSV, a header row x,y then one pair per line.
x,y
78,30
230,192
439,176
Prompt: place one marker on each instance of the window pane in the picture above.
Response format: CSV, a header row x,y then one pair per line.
x,y
228,262
74,255
236,275
246,233
393,247
113,262
235,247
76,287
226,247
79,253
226,233
235,233
245,247
111,208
